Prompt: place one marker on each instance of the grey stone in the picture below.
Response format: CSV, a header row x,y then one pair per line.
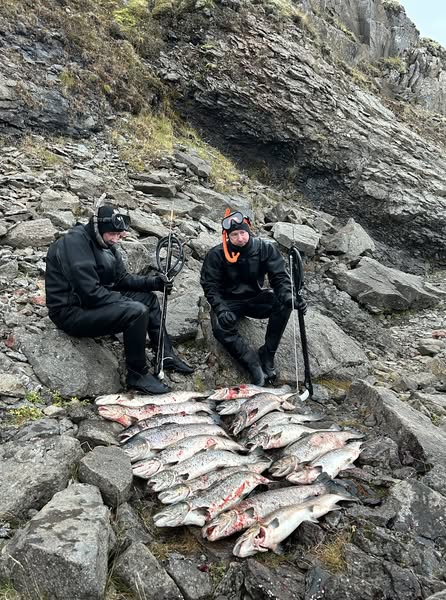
x,y
94,433
129,527
181,208
303,237
62,219
420,443
72,366
419,511
216,203
142,573
31,472
154,189
110,470
11,385
196,164
183,306
430,347
351,241
375,285
381,452
62,552
204,242
280,583
193,583
85,184
438,596
41,428
10,270
37,233
136,256
147,223
55,200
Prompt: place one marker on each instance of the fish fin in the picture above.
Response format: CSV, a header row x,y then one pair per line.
x,y
276,436
275,523
253,412
250,512
335,427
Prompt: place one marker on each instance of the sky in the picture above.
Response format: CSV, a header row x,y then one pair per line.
x,y
429,16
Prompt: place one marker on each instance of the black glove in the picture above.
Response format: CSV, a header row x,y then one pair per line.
x,y
227,319
299,303
159,282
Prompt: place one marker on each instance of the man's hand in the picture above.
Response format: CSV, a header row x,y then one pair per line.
x,y
299,303
227,319
159,282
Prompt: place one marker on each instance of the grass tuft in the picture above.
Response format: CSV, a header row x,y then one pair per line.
x,y
332,553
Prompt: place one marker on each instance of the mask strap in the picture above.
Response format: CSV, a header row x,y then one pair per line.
x,y
233,256
98,236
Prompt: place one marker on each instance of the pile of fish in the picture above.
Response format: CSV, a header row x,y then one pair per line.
x,y
180,443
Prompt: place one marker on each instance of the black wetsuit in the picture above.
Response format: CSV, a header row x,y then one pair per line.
x,y
238,288
89,293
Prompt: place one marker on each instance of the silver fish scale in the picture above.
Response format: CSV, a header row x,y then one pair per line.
x,y
133,400
202,463
193,445
261,404
246,391
158,420
274,418
187,489
316,444
160,437
228,492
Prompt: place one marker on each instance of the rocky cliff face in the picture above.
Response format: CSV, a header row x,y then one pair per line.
x,y
264,86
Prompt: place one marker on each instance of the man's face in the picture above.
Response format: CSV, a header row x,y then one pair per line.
x,y
113,237
239,238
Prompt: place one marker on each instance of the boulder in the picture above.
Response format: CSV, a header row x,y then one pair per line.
x,y
72,366
383,288
85,184
204,242
418,511
32,471
332,353
95,432
421,444
146,223
37,233
216,203
303,237
193,583
196,164
142,573
181,207
155,189
351,241
183,306
109,469
51,200
63,551
11,385
129,527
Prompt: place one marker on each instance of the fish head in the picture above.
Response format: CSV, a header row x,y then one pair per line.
x,y
284,466
147,468
258,441
172,516
221,526
162,480
227,408
115,413
251,542
137,449
175,494
220,394
239,423
304,475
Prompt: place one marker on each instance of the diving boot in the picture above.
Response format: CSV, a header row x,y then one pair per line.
x,y
252,365
172,362
267,362
145,382
257,375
